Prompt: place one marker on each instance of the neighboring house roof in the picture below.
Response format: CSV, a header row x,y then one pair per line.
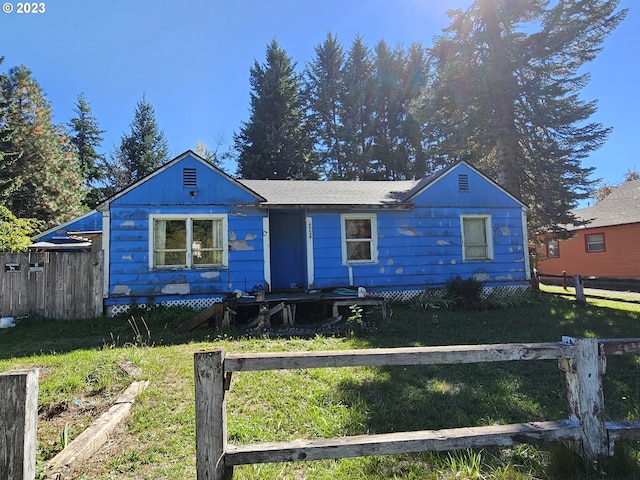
x,y
331,193
620,207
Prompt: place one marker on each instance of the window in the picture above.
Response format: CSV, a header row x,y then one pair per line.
x,y
477,242
193,241
553,249
359,239
595,243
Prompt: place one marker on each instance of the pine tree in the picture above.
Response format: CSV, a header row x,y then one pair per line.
x,y
86,137
399,77
141,151
357,110
275,143
324,91
39,171
505,97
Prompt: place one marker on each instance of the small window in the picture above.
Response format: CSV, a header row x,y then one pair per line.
x,y
187,242
553,249
595,242
359,239
477,241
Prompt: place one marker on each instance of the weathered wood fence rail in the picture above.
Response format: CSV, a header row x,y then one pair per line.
x,y
580,282
62,285
583,361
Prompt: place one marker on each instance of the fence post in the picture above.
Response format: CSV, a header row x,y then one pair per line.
x,y
18,424
211,416
580,298
583,378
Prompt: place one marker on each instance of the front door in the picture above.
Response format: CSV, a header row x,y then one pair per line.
x,y
288,249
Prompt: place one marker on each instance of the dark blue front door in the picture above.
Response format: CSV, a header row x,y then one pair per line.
x,y
288,264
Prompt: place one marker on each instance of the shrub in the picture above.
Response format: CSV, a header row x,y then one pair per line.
x,y
465,293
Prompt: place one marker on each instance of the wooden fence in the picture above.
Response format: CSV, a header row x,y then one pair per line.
x,y
63,285
580,282
583,361
18,419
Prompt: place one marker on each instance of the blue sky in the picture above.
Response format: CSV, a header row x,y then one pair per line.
x,y
191,59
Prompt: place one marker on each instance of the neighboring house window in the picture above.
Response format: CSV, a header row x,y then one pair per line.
x,y
477,241
553,249
359,238
191,241
595,242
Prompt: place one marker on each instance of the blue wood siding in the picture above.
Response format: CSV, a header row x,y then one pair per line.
x,y
482,193
418,249
131,279
422,248
91,221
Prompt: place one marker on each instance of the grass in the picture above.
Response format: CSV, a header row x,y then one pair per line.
x,y
86,363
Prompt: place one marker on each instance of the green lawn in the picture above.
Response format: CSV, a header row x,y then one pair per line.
x,y
84,364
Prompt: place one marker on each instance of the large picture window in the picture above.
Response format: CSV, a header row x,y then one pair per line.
x,y
359,239
186,242
477,241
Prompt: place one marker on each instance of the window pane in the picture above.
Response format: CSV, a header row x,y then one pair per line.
x,y
170,242
174,258
358,228
595,243
358,250
475,239
552,249
208,233
176,234
208,257
207,242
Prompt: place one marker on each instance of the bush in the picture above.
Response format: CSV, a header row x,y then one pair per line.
x,y
465,293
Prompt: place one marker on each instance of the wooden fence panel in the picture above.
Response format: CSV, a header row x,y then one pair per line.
x,y
18,418
63,285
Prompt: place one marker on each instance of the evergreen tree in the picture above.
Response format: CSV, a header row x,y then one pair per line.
x,y
399,78
86,137
324,92
275,143
505,97
357,110
141,151
39,171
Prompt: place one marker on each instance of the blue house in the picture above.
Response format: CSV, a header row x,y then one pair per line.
x,y
190,234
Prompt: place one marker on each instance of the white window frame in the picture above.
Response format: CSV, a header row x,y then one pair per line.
x,y
488,236
372,217
189,254
591,244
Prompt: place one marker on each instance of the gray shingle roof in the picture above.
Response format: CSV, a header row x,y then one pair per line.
x,y
334,192
622,206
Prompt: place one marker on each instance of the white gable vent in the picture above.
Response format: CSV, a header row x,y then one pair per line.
x,y
189,178
463,182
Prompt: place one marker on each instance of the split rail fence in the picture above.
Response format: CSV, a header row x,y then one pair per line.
x,y
583,361
605,283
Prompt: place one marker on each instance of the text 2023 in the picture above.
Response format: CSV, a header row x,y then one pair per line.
x,y
31,7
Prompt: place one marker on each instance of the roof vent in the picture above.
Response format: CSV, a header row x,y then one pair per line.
x,y
189,178
463,182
